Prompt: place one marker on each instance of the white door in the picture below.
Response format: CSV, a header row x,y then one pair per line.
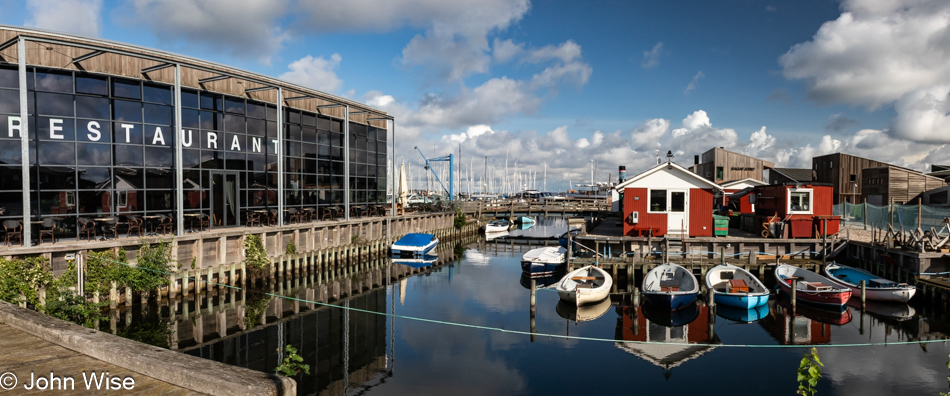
x,y
677,217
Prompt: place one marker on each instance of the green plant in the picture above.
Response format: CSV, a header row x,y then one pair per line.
x,y
291,249
809,371
151,267
105,267
292,364
23,277
948,380
74,308
255,255
459,220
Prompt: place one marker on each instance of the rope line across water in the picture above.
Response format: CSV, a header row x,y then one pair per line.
x,y
561,336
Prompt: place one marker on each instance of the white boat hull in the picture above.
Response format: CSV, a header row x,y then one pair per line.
x,y
575,292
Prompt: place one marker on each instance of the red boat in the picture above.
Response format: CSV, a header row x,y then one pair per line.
x,y
812,288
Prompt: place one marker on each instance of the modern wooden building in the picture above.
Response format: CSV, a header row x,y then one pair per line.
x,y
720,165
843,172
886,184
91,128
668,199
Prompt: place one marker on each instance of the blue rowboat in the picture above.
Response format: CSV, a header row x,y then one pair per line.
x,y
877,289
670,286
414,245
736,287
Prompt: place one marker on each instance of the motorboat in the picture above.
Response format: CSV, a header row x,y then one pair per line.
x,y
414,244
544,261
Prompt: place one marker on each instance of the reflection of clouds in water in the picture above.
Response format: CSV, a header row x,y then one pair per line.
x,y
475,257
885,370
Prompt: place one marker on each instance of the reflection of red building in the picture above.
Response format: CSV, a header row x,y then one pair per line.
x,y
635,325
809,326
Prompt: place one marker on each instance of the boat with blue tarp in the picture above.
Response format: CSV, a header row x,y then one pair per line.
x,y
415,244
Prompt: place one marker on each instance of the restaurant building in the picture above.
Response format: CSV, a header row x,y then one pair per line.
x,y
98,129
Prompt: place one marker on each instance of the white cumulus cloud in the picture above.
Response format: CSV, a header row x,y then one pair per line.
x,y
80,17
317,73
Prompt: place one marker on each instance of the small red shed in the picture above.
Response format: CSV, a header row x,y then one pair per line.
x,y
668,198
803,206
731,187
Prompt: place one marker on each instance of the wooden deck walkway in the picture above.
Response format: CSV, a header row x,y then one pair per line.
x,y
24,353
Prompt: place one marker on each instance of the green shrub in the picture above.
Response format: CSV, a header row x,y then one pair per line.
x,y
255,256
291,249
292,364
23,277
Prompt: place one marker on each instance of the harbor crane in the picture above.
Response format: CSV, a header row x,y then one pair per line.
x,y
451,167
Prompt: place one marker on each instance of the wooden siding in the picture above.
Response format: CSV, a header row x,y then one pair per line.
x,y
700,212
59,56
732,164
897,184
837,169
648,221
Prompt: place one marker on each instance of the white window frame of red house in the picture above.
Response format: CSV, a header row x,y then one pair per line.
x,y
665,201
811,200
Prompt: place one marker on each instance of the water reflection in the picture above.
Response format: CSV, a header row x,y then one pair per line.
x,y
688,332
742,315
584,313
543,227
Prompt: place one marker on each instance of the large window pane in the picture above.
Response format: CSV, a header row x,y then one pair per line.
x,y
54,81
158,157
189,99
157,94
57,202
9,101
57,153
159,135
92,107
126,89
9,78
210,101
54,104
56,128
127,111
128,155
127,133
11,180
91,178
255,110
234,105
158,114
93,131
92,85
159,178
94,154
189,118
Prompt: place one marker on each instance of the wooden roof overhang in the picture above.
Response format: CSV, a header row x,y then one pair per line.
x,y
63,51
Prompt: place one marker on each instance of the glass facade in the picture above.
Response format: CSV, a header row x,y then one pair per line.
x,y
103,146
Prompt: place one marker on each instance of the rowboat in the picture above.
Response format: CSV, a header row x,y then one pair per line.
x,y
543,261
585,285
875,288
562,240
414,245
670,286
736,287
497,226
523,220
812,288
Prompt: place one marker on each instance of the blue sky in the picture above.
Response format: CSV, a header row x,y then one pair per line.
x,y
554,84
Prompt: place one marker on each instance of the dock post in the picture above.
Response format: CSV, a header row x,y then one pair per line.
x,y
636,297
113,295
711,300
794,294
863,295
777,257
666,250
722,255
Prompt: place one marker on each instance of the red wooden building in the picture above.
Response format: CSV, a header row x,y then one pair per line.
x,y
668,199
804,207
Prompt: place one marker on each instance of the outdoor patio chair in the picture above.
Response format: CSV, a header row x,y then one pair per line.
x,y
135,225
85,225
49,228
12,229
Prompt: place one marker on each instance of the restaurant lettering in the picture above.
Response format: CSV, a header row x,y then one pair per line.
x,y
739,168
124,135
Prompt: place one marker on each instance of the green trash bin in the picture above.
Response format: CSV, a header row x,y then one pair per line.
x,y
720,225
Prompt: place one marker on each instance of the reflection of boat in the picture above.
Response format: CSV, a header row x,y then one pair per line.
x,y
523,226
523,220
877,289
543,261
743,315
891,310
812,288
585,285
495,235
662,345
736,287
414,245
417,262
562,240
497,226
582,313
662,316
670,286
830,314
541,281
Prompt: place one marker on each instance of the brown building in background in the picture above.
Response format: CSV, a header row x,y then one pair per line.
x,y
883,181
720,165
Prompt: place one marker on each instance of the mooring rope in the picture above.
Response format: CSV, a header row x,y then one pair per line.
x,y
549,335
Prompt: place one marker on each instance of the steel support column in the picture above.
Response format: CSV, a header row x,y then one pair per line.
x,y
280,158
24,144
179,172
346,161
